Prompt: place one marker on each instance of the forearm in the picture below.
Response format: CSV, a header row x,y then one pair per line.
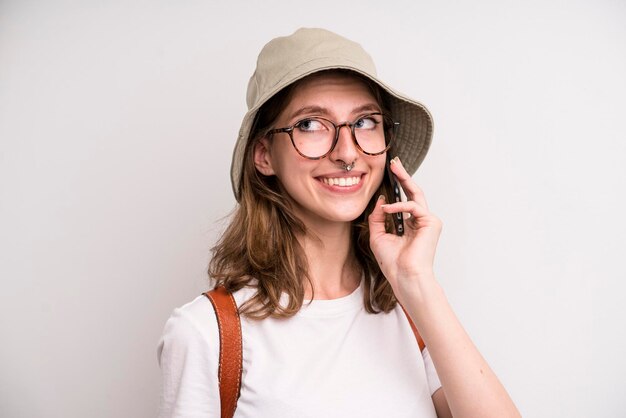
x,y
471,387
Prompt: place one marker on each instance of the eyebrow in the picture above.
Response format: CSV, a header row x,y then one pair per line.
x,y
319,110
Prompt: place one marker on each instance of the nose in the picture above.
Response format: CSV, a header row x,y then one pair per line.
x,y
345,149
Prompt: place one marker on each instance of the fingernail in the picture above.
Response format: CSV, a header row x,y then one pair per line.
x,y
381,197
396,159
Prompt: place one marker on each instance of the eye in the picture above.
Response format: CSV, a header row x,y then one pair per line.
x,y
366,122
310,125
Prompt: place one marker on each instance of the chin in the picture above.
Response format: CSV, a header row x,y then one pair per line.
x,y
342,210
345,216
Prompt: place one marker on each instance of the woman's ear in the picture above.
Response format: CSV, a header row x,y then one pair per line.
x,y
262,158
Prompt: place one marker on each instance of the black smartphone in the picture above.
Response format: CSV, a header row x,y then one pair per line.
x,y
398,218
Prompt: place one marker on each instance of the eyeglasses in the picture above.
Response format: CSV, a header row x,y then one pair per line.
x,y
315,137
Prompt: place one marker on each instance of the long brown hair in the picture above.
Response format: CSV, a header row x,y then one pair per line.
x,y
260,248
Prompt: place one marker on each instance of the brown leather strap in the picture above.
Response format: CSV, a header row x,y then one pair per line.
x,y
230,348
418,337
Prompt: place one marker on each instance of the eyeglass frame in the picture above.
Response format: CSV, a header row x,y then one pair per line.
x,y
289,130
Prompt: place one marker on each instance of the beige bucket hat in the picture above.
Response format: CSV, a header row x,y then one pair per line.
x,y
287,59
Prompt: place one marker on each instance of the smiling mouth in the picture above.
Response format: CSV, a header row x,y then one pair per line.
x,y
341,181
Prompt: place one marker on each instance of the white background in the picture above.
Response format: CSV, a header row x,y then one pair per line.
x,y
117,121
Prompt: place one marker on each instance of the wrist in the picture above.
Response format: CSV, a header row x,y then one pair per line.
x,y
417,286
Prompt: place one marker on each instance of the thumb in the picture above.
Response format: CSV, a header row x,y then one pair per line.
x,y
376,219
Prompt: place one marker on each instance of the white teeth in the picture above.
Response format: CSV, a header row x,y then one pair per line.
x,y
342,181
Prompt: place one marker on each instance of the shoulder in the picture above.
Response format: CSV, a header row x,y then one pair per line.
x,y
195,323
197,315
191,326
188,355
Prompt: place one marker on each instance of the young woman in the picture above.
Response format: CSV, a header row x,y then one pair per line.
x,y
319,272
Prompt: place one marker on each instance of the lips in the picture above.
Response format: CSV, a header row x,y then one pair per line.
x,y
341,181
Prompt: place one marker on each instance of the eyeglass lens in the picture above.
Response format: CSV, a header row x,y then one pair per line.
x,y
314,137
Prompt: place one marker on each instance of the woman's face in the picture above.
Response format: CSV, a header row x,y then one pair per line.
x,y
313,184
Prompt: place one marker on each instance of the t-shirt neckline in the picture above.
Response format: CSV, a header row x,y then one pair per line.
x,y
333,307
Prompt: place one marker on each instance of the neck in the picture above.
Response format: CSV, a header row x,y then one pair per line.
x,y
333,268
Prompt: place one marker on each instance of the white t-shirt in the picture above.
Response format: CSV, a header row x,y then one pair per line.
x,y
332,359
